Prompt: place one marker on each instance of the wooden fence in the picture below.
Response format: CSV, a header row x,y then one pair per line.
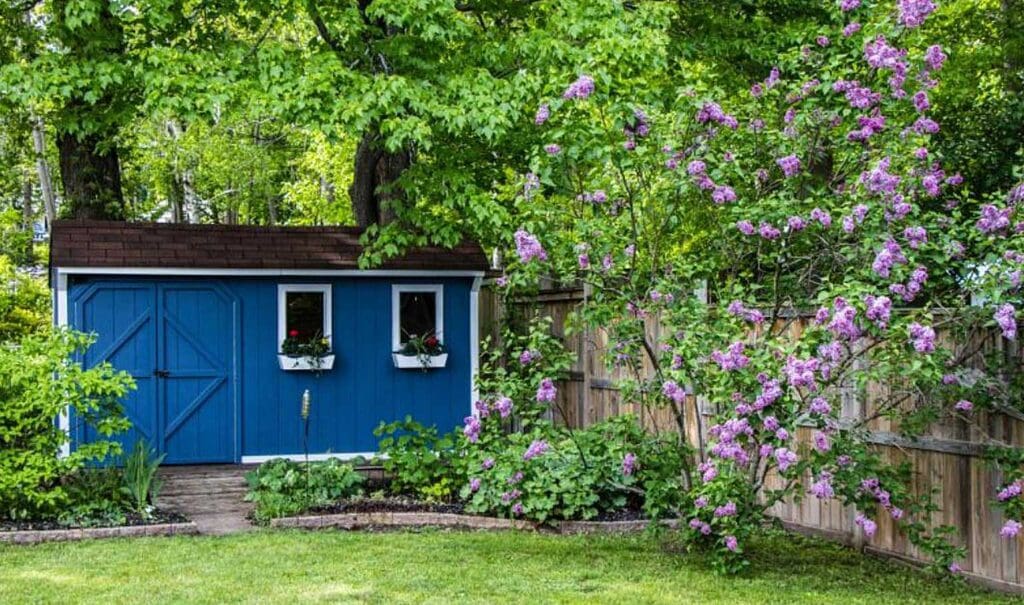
x,y
948,456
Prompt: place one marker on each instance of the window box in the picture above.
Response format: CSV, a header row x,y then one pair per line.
x,y
419,362
305,364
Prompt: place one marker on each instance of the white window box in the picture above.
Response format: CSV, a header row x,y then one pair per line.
x,y
305,364
418,362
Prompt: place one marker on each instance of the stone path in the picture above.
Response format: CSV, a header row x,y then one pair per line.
x,y
211,495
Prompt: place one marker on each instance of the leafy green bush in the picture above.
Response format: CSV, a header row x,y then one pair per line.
x,y
95,497
140,481
281,487
24,303
39,379
556,473
420,461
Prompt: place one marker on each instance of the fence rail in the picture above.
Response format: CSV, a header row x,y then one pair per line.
x,y
948,457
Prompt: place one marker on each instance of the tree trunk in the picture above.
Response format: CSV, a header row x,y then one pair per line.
x,y
184,202
27,215
374,189
91,176
43,171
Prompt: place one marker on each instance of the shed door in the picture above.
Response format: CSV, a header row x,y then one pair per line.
x,y
178,341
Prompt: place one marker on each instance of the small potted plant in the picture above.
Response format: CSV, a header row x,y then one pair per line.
x,y
305,354
421,352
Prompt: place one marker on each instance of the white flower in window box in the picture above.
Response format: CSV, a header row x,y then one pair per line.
x,y
421,353
305,355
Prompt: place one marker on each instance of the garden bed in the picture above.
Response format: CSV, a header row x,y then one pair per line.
x,y
397,512
162,523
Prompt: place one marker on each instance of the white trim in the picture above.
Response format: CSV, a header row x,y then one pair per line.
x,y
61,315
396,292
312,457
474,343
282,296
186,271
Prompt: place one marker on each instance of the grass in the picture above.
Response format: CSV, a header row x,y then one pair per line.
x,y
438,567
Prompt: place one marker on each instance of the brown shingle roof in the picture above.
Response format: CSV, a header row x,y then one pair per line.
x,y
152,245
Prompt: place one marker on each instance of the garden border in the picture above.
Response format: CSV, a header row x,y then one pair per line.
x,y
38,536
356,521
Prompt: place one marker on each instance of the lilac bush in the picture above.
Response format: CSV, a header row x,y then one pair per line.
x,y
832,248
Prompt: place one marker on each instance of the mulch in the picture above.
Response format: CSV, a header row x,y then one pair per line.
x,y
158,517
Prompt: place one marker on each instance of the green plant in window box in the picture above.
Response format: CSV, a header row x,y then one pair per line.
x,y
316,349
423,348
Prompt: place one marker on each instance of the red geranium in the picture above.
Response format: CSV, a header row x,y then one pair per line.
x,y
293,333
431,341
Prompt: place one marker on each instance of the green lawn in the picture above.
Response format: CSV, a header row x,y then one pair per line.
x,y
290,567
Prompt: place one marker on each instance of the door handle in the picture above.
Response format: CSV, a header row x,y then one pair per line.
x,y
161,373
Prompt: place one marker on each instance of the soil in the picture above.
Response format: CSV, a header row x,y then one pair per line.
x,y
392,504
625,514
156,518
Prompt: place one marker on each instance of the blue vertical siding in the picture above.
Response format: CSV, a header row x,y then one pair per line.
x,y
349,401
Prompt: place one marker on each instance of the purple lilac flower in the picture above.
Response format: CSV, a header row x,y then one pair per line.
x,y
517,508
921,102
511,495
528,247
723,194
701,502
472,428
925,125
822,216
851,29
964,405
487,464
769,231
482,409
731,543
745,227
732,359
822,488
696,167
582,88
584,260
1006,318
528,356
848,5
914,12
821,442
673,391
800,372
1010,529
922,337
543,113
726,510
552,149
890,254
1016,195
707,471
546,391
843,323
879,180
785,458
756,91
474,485
789,164
868,525
993,219
504,406
878,310
1011,491
822,41
881,55
536,448
628,464
820,406
796,223
916,237
955,567
934,57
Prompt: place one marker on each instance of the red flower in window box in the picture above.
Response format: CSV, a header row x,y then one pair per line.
x,y
431,342
293,333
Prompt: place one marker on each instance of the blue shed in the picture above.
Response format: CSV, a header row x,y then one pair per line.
x,y
199,314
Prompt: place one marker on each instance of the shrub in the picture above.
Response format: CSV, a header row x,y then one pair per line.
x,y
38,380
419,460
24,303
281,487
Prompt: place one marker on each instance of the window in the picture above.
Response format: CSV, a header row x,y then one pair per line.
x,y
416,310
303,312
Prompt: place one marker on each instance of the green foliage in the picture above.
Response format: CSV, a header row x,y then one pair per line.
x,y
24,303
140,480
40,379
420,461
281,487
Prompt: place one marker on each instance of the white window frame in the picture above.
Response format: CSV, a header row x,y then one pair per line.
x,y
396,296
282,308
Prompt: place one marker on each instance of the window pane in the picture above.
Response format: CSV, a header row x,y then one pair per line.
x,y
304,317
417,314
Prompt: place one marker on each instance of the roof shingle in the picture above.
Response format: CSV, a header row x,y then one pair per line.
x,y
118,244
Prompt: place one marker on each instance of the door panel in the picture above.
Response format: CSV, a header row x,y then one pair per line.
x,y
198,331
122,317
